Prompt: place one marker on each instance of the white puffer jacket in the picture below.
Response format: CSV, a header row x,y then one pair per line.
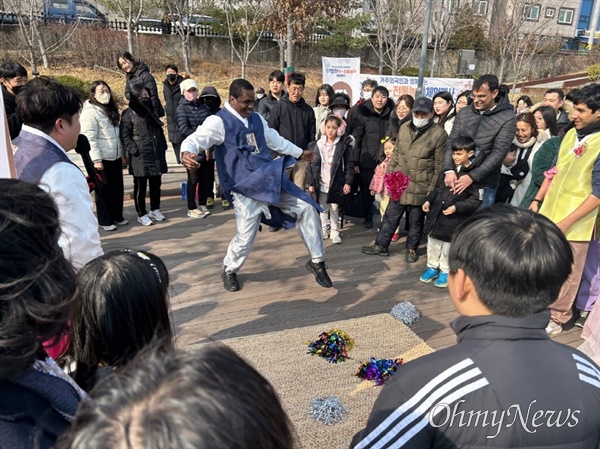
x,y
104,137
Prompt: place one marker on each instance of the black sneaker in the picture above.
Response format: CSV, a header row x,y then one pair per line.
x,y
275,228
580,322
230,281
375,249
320,272
411,256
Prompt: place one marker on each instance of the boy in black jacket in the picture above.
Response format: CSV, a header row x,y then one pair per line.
x,y
506,383
446,210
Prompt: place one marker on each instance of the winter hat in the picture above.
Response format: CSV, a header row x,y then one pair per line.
x,y
339,100
423,104
260,90
188,85
209,91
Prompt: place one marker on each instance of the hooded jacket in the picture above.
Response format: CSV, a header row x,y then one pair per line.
x,y
506,384
442,226
172,95
368,129
294,121
493,131
143,78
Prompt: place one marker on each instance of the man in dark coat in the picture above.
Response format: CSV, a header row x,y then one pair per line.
x,y
276,92
505,383
556,99
491,122
368,129
172,94
13,77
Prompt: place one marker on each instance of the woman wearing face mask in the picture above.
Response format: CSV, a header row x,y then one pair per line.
x,y
191,113
143,138
100,124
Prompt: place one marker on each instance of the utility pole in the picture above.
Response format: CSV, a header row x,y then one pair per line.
x,y
424,42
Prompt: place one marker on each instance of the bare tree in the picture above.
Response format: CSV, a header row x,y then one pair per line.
x,y
131,11
245,20
29,15
518,32
398,24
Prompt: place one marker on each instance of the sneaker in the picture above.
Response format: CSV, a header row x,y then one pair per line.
x,y
368,223
122,222
210,202
375,250
320,272
336,239
230,282
395,237
195,213
109,228
145,220
326,234
580,322
411,256
554,328
225,204
429,275
156,215
205,210
441,281
275,228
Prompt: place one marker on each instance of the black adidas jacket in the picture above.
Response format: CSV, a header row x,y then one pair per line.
x,y
506,384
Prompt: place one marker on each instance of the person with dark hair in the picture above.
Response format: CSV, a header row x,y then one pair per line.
x,y
556,98
418,153
190,114
464,99
400,114
258,183
368,129
295,121
100,121
443,106
572,197
13,77
523,104
491,122
366,92
322,106
331,175
204,398
527,142
505,382
211,98
172,94
446,211
124,307
276,93
37,300
545,119
144,140
50,113
137,73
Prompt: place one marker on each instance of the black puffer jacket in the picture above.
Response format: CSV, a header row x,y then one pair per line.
x,y
493,132
265,105
342,171
143,137
368,129
10,106
142,77
190,115
442,226
295,122
172,95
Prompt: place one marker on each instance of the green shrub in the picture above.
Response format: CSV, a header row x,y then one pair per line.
x,y
593,72
409,71
72,81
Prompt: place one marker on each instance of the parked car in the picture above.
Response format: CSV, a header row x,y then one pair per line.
x,y
69,11
198,23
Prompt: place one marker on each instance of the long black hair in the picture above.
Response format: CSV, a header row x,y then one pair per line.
x,y
111,109
37,282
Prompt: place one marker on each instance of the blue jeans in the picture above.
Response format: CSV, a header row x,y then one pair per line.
x,y
489,197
